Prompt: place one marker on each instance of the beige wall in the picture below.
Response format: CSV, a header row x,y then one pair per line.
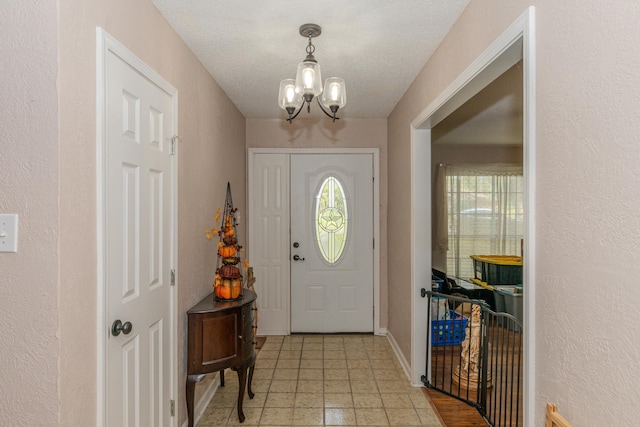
x,y
453,154
588,246
29,174
322,133
211,153
587,238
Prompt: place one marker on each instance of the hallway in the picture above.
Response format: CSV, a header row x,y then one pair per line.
x,y
324,380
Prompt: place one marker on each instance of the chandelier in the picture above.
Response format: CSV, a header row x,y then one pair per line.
x,y
294,94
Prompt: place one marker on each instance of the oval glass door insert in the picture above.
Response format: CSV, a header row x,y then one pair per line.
x,y
331,220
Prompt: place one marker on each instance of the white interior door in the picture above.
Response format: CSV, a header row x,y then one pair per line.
x,y
332,243
269,239
139,236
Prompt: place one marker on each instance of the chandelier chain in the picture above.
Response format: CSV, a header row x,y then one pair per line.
x,y
310,48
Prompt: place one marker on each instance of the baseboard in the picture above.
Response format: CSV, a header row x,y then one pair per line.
x,y
266,333
382,332
204,401
406,367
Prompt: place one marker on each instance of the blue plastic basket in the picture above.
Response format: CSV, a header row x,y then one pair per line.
x,y
450,331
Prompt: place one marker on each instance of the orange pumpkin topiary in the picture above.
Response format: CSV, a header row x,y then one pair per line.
x,y
227,251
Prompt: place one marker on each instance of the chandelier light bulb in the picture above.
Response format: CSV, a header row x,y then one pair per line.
x,y
334,91
290,93
308,79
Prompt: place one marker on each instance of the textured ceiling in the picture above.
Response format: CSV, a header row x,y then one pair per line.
x,y
377,46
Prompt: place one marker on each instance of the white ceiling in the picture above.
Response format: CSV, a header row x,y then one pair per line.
x,y
377,46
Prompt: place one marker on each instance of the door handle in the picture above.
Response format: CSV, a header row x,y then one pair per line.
x,y
297,258
118,327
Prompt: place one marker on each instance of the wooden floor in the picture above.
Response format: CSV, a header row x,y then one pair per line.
x,y
504,398
453,412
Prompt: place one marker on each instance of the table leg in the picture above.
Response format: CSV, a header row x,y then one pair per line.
x,y
190,391
242,381
191,388
221,377
251,394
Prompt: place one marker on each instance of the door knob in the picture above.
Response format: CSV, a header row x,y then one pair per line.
x,y
297,258
118,327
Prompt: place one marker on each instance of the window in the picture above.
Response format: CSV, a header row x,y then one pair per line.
x,y
331,220
485,214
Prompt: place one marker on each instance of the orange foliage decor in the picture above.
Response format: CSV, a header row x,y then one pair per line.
x,y
227,280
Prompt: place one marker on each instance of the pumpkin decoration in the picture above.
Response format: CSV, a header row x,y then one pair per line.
x,y
236,288
228,280
224,290
227,251
229,240
229,271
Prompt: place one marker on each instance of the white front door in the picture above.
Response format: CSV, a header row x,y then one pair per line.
x,y
331,243
139,236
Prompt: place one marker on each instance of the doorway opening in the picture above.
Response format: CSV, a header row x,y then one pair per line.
x,y
515,44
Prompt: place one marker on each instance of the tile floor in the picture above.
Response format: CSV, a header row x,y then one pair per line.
x,y
324,380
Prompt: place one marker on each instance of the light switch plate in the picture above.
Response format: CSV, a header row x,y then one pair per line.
x,y
8,232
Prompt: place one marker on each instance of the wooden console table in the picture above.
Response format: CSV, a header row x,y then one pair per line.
x,y
221,335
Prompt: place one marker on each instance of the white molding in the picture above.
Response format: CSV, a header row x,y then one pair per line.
x,y
406,366
174,259
519,37
105,43
101,49
376,238
275,332
375,152
420,246
529,160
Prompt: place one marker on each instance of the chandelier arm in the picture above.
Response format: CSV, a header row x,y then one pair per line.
x,y
332,116
290,119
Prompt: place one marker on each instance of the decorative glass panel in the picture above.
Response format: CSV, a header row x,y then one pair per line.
x,y
331,220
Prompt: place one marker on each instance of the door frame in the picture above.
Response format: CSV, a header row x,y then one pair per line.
x,y
517,42
375,152
106,44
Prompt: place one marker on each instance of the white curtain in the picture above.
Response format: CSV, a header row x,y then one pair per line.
x,y
478,212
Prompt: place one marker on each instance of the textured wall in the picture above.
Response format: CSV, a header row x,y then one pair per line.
x,y
322,133
588,231
29,187
211,153
587,239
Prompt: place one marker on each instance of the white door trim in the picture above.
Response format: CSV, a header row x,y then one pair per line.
x,y
518,41
105,43
375,152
